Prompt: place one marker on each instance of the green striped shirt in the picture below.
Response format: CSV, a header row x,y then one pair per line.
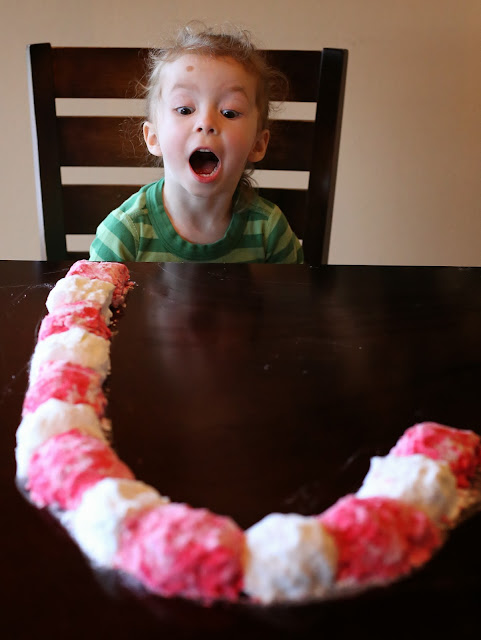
x,y
141,231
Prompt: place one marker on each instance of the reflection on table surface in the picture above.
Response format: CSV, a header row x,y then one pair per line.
x,y
248,389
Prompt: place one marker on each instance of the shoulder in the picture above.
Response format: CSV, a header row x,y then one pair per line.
x,y
136,206
262,215
265,216
137,212
280,242
119,235
263,208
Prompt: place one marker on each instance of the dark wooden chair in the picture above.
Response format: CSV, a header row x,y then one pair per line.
x,y
75,141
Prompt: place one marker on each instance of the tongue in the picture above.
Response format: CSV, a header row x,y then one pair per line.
x,y
203,163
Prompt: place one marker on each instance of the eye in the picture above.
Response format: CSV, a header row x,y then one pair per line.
x,y
230,113
185,111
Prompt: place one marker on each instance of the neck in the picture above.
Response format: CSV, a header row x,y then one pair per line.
x,y
197,219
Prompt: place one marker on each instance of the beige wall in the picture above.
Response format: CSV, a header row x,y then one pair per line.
x,y
409,186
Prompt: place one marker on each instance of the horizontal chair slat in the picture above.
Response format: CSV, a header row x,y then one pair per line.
x,y
98,72
101,141
117,142
86,206
302,69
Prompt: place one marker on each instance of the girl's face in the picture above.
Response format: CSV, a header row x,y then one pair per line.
x,y
205,124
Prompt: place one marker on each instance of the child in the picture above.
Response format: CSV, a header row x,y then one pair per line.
x,y
208,107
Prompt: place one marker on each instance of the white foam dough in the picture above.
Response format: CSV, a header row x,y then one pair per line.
x,y
289,557
51,418
75,345
428,485
96,522
75,288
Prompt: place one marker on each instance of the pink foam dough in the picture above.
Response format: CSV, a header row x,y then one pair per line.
x,y
379,538
461,449
114,272
66,381
86,315
176,550
68,464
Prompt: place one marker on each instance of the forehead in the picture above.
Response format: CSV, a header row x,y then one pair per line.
x,y
204,71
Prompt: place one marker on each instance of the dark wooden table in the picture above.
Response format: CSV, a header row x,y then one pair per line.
x,y
247,390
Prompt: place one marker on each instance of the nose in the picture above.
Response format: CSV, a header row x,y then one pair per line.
x,y
207,122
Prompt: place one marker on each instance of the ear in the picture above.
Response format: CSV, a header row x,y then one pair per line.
x,y
260,146
151,140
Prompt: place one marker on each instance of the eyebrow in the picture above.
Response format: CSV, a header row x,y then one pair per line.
x,y
237,89
189,87
179,85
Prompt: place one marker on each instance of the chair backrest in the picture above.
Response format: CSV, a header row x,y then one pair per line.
x,y
66,210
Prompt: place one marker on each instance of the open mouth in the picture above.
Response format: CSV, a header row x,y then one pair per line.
x,y
204,162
